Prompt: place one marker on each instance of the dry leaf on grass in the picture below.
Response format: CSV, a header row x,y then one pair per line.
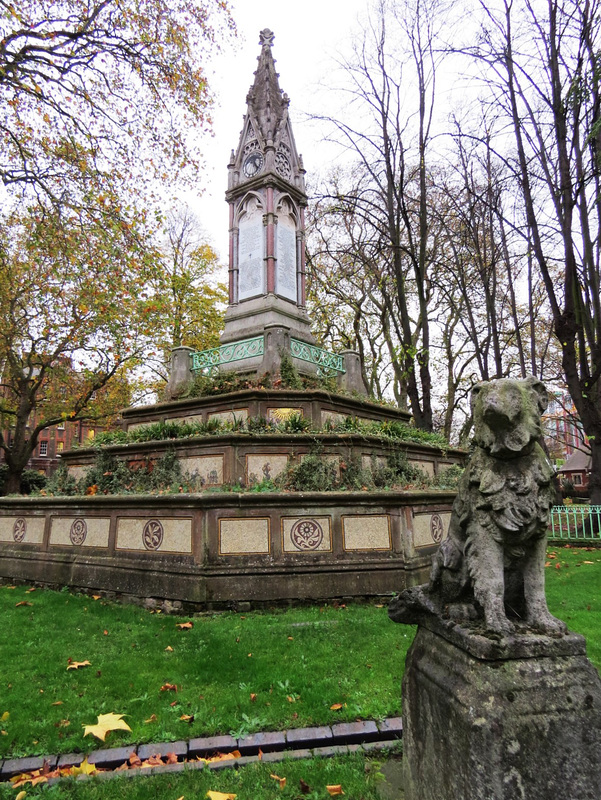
x,y
105,724
281,780
78,664
151,718
23,603
334,791
169,687
336,707
85,768
220,796
169,649
184,626
5,716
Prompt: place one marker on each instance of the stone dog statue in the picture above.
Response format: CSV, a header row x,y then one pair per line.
x,y
492,562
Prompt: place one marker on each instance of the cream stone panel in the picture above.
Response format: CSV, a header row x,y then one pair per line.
x,y
306,534
22,529
94,531
263,466
209,469
331,416
77,471
282,414
366,461
154,534
235,415
134,425
366,532
429,529
425,466
185,420
243,536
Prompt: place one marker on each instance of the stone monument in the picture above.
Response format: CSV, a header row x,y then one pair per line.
x,y
266,315
499,699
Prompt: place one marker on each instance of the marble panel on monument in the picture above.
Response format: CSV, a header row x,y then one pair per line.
x,y
77,471
243,536
366,532
80,531
251,266
425,466
306,534
430,529
264,466
162,535
286,285
22,530
207,469
235,415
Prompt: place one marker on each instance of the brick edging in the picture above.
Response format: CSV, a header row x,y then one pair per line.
x,y
323,740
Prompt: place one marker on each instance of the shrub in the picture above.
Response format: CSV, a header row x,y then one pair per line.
x,y
312,474
288,373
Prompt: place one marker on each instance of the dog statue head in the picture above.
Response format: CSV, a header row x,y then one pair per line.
x,y
507,415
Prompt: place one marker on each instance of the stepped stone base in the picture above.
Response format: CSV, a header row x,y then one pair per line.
x,y
524,726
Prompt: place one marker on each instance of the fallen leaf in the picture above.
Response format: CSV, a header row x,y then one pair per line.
x,y
106,633
152,718
5,716
78,664
106,723
304,787
335,790
281,780
28,591
291,638
169,687
57,703
558,565
96,597
253,697
220,796
21,795
336,707
23,603
134,760
588,562
184,626
290,699
250,655
170,758
187,717
169,649
85,768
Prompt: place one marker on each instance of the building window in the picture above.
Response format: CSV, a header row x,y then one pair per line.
x,y
60,446
577,479
91,433
43,448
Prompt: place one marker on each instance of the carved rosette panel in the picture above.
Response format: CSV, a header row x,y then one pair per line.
x,y
152,534
19,529
306,534
78,531
436,528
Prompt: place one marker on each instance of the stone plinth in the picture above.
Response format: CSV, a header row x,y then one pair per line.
x,y
523,726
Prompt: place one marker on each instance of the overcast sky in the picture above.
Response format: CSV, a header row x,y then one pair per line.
x,y
307,35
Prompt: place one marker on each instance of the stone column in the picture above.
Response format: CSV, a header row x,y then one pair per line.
x,y
352,380
180,375
277,341
517,718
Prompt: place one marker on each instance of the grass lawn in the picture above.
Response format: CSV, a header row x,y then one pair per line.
x,y
234,673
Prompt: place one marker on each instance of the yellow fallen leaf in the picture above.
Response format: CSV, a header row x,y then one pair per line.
x,y
78,664
151,718
57,703
21,796
184,626
281,780
5,716
336,707
335,790
85,768
95,597
106,723
169,649
187,717
220,796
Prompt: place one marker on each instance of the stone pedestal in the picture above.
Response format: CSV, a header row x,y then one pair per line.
x,y
505,718
180,375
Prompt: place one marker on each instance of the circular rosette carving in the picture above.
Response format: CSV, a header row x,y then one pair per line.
x,y
78,532
152,535
306,534
436,528
19,529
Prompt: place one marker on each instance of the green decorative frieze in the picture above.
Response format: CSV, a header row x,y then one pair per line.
x,y
210,360
328,364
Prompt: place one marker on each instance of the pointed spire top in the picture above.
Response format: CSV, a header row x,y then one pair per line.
x,y
266,37
265,98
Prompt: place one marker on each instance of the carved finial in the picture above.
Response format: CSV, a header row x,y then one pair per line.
x,y
266,37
